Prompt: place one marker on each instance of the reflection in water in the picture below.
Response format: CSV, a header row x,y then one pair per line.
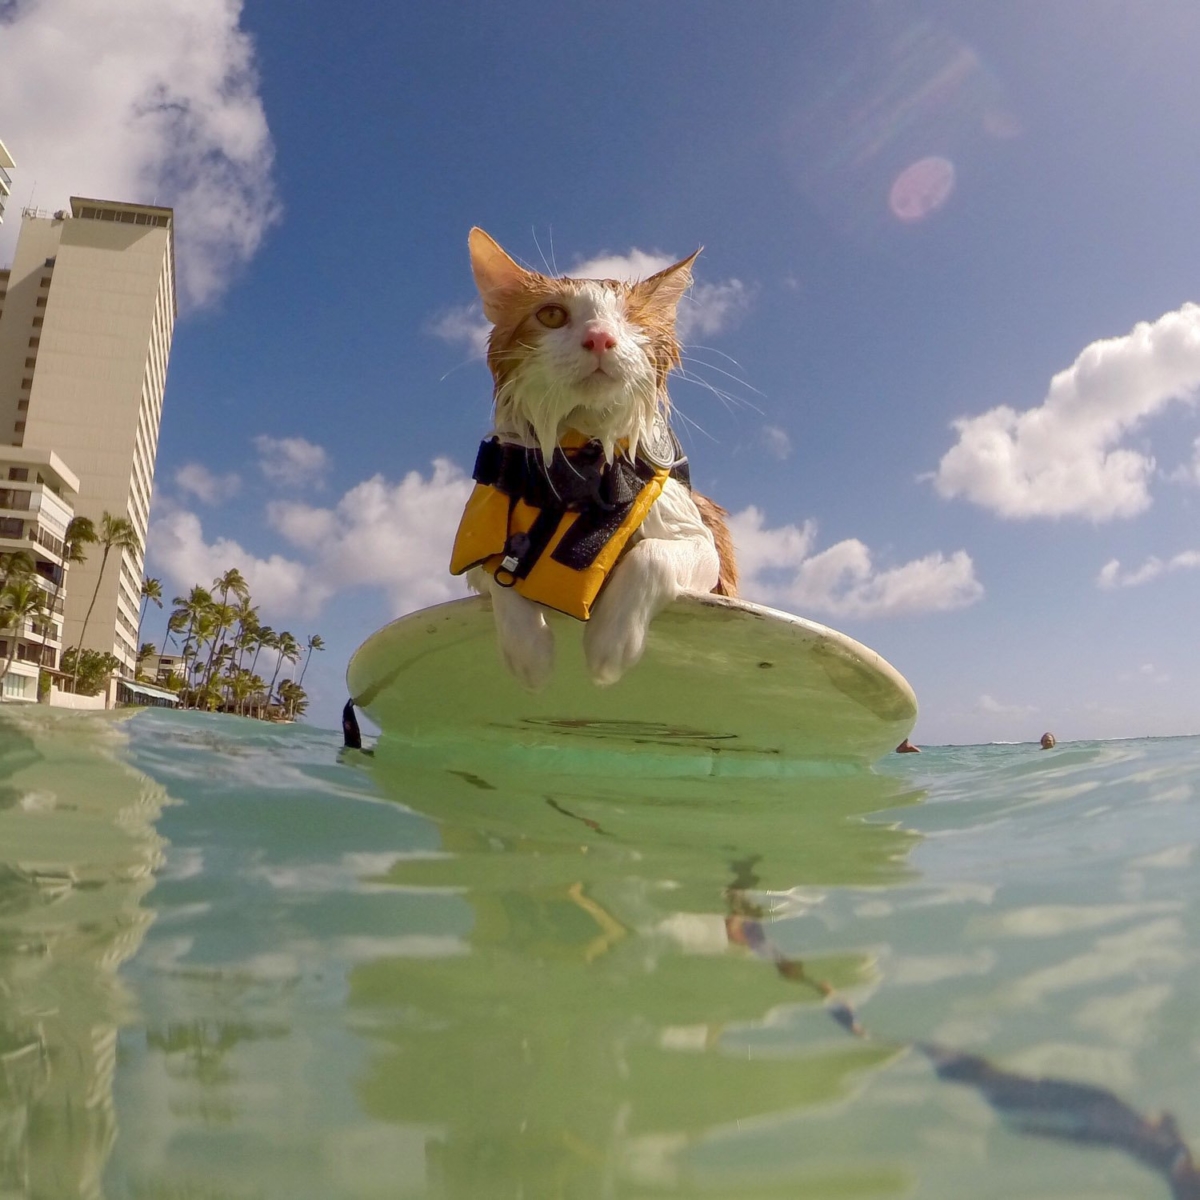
x,y
602,1029
77,851
579,988
1051,1108
1074,1112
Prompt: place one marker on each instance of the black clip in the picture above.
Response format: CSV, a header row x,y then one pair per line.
x,y
515,550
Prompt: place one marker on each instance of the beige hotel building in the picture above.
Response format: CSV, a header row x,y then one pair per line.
x,y
87,312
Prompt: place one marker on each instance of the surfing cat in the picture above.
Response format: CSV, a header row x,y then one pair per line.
x,y
582,499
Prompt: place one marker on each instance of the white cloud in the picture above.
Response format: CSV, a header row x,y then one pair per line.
x,y
463,326
1150,672
391,535
775,441
778,566
197,480
987,704
762,550
152,101
278,585
1189,472
711,308
291,461
637,264
395,536
1111,575
1064,458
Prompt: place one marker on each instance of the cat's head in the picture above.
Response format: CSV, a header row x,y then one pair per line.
x,y
585,354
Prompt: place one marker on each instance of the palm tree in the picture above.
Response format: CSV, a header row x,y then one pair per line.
x,y
115,533
264,638
288,649
20,598
315,642
144,652
211,693
258,687
151,590
264,635
223,617
242,686
231,581
175,624
246,616
293,699
16,564
188,611
203,628
80,532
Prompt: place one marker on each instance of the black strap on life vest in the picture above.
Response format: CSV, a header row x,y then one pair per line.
x,y
579,481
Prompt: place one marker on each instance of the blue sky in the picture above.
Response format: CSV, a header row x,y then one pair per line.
x,y
942,352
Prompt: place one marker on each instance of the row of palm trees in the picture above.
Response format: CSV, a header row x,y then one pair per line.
x,y
221,640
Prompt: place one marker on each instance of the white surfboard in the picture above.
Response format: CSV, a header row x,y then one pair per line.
x,y
724,687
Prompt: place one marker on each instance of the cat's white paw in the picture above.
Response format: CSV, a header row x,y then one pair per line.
x,y
529,657
615,636
525,641
612,646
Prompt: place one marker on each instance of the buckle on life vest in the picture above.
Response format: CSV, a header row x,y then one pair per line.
x,y
516,547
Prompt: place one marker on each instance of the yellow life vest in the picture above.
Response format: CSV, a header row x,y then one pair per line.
x,y
555,534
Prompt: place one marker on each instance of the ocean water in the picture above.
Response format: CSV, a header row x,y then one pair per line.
x,y
237,963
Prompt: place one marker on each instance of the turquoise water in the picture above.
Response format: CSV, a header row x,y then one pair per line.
x,y
233,966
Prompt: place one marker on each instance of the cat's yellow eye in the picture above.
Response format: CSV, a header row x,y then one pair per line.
x,y
553,316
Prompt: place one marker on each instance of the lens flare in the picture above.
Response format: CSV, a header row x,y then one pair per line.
x,y
921,189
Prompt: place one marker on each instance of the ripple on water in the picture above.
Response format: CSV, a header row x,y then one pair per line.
x,y
231,965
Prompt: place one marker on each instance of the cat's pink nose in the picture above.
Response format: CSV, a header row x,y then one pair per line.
x,y
598,339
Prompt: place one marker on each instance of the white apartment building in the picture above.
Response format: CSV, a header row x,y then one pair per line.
x,y
37,496
86,319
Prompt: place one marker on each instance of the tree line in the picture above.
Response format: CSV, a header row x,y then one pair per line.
x,y
221,639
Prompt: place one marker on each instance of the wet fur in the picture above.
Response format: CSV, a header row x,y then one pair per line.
x,y
547,382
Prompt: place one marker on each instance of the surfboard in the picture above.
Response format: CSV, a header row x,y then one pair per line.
x,y
724,688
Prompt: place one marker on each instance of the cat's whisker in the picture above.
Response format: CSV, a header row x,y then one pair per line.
x,y
728,375
694,424
549,269
471,360
729,401
714,350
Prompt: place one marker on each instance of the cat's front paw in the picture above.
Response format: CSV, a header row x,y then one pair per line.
x,y
612,646
525,641
615,637
530,656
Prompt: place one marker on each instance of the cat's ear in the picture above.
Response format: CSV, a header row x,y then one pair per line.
x,y
665,289
497,276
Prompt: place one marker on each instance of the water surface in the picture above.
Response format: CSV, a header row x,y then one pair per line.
x,y
232,965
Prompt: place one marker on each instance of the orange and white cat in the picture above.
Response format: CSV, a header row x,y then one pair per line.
x,y
589,359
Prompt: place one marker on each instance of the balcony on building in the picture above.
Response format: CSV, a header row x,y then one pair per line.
x,y
37,496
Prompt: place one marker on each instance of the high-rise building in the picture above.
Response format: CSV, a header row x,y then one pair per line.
x,y
85,334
